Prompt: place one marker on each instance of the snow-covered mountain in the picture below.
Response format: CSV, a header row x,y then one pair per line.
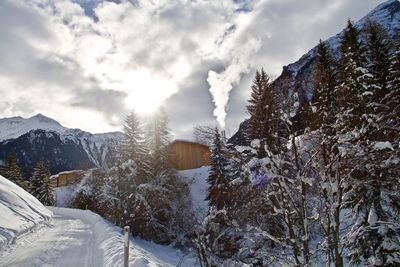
x,y
14,127
40,137
386,15
299,74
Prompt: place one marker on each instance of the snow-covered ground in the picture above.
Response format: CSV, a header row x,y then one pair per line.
x,y
70,237
33,235
83,238
20,213
63,195
197,179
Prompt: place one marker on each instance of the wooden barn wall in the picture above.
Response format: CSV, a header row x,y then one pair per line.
x,y
188,155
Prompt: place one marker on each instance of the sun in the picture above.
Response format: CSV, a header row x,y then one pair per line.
x,y
147,91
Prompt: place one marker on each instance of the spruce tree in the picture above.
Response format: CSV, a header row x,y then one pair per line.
x,y
374,237
324,98
41,187
263,110
217,178
256,107
157,140
133,146
13,172
330,108
378,47
351,77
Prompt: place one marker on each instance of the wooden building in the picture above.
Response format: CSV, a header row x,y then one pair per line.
x,y
66,178
186,155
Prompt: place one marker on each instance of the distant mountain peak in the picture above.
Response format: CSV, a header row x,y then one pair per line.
x,y
42,118
39,116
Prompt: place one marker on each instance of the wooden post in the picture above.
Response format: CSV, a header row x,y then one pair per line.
x,y
126,246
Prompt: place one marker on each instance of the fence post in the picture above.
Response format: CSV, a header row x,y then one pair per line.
x,y
126,246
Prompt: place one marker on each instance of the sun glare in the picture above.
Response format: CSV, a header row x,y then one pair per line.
x,y
147,91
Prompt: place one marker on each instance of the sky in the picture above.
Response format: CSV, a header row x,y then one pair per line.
x,y
88,63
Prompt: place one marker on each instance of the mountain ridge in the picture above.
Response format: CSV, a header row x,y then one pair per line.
x,y
13,127
61,148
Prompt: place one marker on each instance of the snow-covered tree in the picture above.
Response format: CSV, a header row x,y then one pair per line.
x,y
374,238
323,99
158,138
218,179
133,145
41,186
13,172
263,107
352,79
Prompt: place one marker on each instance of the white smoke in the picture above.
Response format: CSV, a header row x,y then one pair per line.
x,y
222,83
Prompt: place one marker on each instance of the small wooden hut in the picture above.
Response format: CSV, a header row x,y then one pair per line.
x,y
186,155
66,178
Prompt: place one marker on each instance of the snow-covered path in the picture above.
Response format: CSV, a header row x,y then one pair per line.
x,y
68,242
82,238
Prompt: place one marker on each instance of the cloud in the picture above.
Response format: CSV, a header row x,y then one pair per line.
x,y
106,101
87,62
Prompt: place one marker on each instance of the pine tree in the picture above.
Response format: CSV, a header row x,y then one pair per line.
x,y
331,110
133,146
334,170
13,172
263,113
157,139
256,107
41,187
217,179
351,79
323,100
374,238
378,47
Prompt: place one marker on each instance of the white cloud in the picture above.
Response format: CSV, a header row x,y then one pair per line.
x,y
88,71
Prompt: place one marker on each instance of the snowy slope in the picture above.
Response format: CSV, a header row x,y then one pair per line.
x,y
83,238
20,212
197,179
63,195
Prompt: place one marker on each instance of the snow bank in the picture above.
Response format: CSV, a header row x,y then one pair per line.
x,y
20,212
109,239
